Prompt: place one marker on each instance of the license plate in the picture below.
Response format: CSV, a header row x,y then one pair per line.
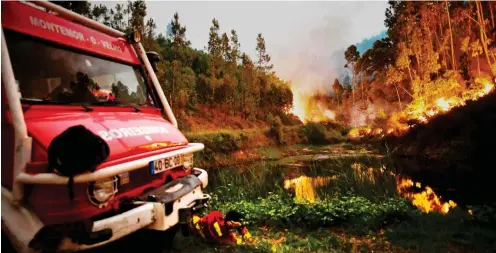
x,y
164,164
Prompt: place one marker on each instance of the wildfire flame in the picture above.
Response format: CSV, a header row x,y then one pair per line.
x,y
427,200
308,110
298,108
442,104
487,88
423,111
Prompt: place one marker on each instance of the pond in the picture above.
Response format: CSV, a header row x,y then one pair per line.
x,y
308,177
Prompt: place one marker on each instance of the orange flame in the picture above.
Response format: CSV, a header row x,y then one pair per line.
x,y
427,200
487,88
309,110
298,108
443,104
423,111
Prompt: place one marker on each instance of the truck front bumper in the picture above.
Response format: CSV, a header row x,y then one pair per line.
x,y
154,213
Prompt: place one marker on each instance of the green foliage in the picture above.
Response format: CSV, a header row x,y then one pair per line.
x,y
219,77
263,57
225,142
358,200
317,133
281,210
277,130
219,142
81,7
438,233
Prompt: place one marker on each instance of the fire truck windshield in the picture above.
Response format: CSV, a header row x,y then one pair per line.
x,y
49,74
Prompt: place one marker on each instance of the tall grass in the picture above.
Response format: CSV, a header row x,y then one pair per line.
x,y
356,190
364,175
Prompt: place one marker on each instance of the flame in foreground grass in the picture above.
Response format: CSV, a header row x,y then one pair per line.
x,y
427,200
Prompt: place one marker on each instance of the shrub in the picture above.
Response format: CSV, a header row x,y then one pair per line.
x,y
290,119
225,142
345,131
280,209
334,136
317,133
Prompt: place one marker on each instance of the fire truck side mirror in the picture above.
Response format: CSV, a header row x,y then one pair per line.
x,y
154,58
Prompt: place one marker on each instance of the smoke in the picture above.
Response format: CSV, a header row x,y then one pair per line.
x,y
317,59
316,56
362,116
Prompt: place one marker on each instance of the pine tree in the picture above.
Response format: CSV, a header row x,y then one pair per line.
x,y
351,56
263,62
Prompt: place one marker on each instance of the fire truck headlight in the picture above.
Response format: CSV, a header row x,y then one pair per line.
x,y
134,37
188,160
102,191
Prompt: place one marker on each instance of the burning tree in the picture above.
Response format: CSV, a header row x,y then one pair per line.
x,y
418,66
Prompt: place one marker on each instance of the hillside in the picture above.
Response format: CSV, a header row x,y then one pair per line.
x,y
453,152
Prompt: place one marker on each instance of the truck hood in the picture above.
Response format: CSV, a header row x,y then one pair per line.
x,y
126,133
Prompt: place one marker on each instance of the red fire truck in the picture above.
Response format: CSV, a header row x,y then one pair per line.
x,y
148,181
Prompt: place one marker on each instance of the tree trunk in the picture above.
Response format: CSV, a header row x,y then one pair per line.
x,y
484,31
362,88
243,104
398,94
478,66
353,83
408,93
451,36
443,50
439,50
481,33
173,77
492,14
410,73
233,113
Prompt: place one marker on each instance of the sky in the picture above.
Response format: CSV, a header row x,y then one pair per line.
x,y
306,40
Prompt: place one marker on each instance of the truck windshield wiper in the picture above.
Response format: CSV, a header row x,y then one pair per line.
x,y
38,101
87,108
136,109
111,103
32,101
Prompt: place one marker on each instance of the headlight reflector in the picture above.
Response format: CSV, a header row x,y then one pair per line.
x,y
188,160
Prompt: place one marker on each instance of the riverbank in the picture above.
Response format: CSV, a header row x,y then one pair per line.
x,y
335,198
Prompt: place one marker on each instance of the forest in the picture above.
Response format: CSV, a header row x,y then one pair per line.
x,y
391,160
218,79
437,55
